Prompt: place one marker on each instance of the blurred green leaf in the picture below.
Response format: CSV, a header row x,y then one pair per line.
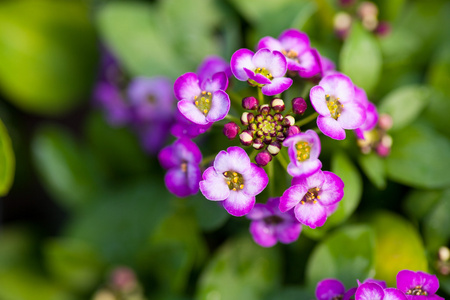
x,y
7,161
64,167
419,202
240,269
16,248
405,104
390,9
375,169
73,263
420,157
437,224
209,214
342,166
360,58
398,247
290,293
437,112
347,254
49,48
439,72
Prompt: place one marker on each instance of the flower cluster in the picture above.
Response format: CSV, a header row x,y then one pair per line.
x,y
410,286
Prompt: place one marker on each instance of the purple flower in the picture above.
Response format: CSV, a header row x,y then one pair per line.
x,y
373,291
418,285
371,113
331,289
309,196
304,150
111,101
185,128
334,100
327,66
264,68
182,160
234,180
295,46
270,225
202,102
212,65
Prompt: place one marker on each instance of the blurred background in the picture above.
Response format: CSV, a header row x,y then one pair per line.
x,y
84,210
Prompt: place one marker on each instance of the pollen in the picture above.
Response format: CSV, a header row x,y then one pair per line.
x,y
205,111
241,186
303,150
196,102
234,180
204,93
203,102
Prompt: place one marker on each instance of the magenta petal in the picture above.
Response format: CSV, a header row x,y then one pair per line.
x,y
278,65
292,39
288,232
339,86
212,65
238,204
241,59
168,158
352,116
277,86
186,86
332,189
330,127
259,211
305,168
269,43
213,185
183,184
311,214
393,294
407,280
238,160
329,288
315,180
220,105
257,77
291,197
309,63
318,101
255,180
219,81
191,112
263,234
369,291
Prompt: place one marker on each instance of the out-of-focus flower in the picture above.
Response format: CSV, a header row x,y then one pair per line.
x,y
270,225
230,130
418,285
265,69
234,181
185,128
373,291
342,24
334,100
212,65
371,113
182,160
332,289
309,196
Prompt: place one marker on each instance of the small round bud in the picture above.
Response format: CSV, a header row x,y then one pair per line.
x,y
278,117
280,137
258,144
252,126
383,29
264,109
342,24
299,106
274,148
230,130
244,118
259,133
288,121
444,253
385,121
259,118
263,158
386,140
250,117
277,104
278,128
293,130
250,103
269,118
246,138
267,140
382,150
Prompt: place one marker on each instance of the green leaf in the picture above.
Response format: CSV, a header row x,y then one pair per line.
x,y
360,58
405,104
437,224
439,72
419,202
375,169
210,215
420,157
289,293
240,270
398,247
49,47
437,112
347,254
7,161
342,166
63,166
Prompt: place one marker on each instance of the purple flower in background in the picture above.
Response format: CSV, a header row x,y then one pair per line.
x,y
202,102
185,128
371,113
270,225
309,196
334,100
112,102
296,48
332,289
234,180
182,160
212,65
304,150
265,69
327,66
418,285
373,291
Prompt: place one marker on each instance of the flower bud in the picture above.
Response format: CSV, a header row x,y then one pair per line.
x,y
288,121
299,106
342,24
274,148
258,144
277,104
250,103
264,109
382,150
267,140
244,119
278,117
293,130
385,121
280,136
246,138
263,158
259,118
383,29
250,117
252,126
230,130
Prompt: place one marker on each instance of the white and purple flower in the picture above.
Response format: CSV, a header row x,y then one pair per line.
x,y
310,196
202,102
295,46
304,149
373,291
234,181
212,65
265,69
270,225
182,160
331,289
418,285
371,113
334,100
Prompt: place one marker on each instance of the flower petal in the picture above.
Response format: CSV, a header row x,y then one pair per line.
x,y
311,214
339,86
288,232
309,63
352,116
255,180
292,39
318,101
277,86
269,43
191,112
263,234
259,78
393,294
369,291
236,159
304,168
219,81
291,197
238,204
332,190
212,65
329,288
183,184
213,185
259,212
407,280
241,59
330,127
220,105
315,180
186,86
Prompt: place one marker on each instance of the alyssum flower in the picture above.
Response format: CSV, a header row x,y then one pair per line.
x,y
309,197
234,180
265,69
270,225
373,291
418,285
332,289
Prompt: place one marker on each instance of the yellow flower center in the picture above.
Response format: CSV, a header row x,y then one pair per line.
x,y
334,106
234,180
203,102
303,150
311,196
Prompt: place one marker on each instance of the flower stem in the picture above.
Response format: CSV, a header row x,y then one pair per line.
x,y
306,120
282,160
232,118
260,96
271,179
